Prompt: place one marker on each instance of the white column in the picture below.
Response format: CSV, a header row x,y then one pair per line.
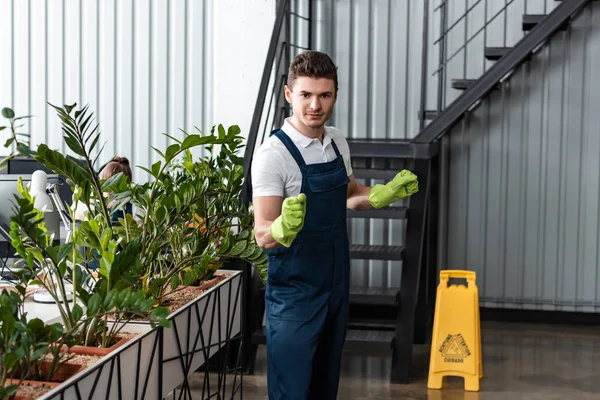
x,y
242,31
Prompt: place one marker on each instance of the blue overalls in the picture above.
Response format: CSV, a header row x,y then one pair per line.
x,y
308,288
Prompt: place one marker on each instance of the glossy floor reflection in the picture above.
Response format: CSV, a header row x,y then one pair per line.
x,y
520,361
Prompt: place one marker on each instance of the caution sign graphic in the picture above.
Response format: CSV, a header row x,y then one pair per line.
x,y
454,348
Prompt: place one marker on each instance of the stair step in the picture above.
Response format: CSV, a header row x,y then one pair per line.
x,y
373,295
375,252
428,115
531,20
372,324
380,148
383,213
372,173
464,84
366,340
495,53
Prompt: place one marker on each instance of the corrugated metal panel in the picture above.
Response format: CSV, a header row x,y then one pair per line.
x,y
524,180
143,66
473,25
377,46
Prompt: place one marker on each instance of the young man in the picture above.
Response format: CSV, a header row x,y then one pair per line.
x,y
302,185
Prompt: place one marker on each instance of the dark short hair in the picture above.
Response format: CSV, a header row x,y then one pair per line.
x,y
312,64
116,165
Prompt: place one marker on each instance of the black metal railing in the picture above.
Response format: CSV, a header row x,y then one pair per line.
x,y
496,73
271,108
292,33
494,12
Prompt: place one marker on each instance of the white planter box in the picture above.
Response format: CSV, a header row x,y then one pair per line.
x,y
152,365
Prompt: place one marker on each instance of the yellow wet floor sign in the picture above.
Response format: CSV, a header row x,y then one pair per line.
x,y
456,341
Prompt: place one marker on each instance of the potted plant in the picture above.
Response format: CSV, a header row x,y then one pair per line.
x,y
189,223
52,266
31,352
14,135
193,221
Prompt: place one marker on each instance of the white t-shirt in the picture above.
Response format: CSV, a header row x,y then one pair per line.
x,y
276,173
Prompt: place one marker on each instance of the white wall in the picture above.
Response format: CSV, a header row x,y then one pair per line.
x,y
145,67
242,32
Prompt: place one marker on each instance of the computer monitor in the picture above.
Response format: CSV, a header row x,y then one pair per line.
x,y
9,187
27,166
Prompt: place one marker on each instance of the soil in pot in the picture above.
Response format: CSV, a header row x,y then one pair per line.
x,y
32,391
183,295
84,359
208,283
35,389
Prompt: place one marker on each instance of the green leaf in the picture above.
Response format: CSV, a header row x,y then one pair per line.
x,y
161,214
175,282
70,108
36,325
172,151
105,238
256,254
11,389
146,305
173,138
205,261
8,113
112,181
65,251
156,169
10,360
261,260
191,141
225,244
93,305
108,302
233,131
221,130
158,151
39,353
77,312
123,298
159,313
189,278
247,252
9,142
105,267
75,146
238,248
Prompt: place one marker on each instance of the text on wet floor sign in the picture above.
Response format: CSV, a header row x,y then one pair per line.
x,y
456,341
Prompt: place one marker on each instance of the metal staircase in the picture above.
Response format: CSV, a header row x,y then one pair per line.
x,y
388,321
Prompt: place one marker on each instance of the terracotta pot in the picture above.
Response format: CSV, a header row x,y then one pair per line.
x,y
98,351
63,373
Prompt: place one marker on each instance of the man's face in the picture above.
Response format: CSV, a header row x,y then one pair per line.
x,y
312,100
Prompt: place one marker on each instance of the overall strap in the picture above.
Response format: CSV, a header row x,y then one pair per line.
x,y
335,148
285,139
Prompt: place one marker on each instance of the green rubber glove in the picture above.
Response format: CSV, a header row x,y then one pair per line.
x,y
404,184
285,228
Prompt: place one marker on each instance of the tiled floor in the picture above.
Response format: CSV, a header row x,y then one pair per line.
x,y
532,362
